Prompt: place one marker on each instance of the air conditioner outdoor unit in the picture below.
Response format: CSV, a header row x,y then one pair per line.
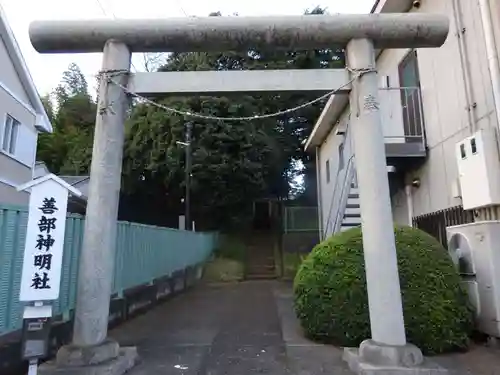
x,y
474,248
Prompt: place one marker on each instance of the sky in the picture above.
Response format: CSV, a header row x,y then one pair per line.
x,y
47,69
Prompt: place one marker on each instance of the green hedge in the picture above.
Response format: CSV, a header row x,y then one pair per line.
x,y
331,299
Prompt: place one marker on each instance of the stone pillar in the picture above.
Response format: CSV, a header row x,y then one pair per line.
x,y
384,295
387,349
91,352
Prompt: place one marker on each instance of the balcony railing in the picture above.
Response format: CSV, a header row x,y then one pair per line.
x,y
403,121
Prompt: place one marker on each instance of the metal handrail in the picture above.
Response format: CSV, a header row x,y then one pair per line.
x,y
410,102
336,188
331,203
343,196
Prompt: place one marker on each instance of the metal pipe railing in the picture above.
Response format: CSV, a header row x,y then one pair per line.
x,y
336,197
344,194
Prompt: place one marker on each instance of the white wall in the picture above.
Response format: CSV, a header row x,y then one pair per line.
x,y
444,107
8,75
17,167
15,102
9,195
329,151
443,94
393,129
400,208
391,112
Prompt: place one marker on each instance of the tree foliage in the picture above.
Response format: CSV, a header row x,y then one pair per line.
x,y
233,162
72,112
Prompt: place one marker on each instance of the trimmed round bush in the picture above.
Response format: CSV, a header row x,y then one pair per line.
x,y
331,300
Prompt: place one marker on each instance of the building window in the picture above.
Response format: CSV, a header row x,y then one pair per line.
x,y
9,136
409,82
473,146
328,171
341,157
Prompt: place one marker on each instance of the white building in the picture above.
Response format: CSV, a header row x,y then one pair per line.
x,y
430,100
22,117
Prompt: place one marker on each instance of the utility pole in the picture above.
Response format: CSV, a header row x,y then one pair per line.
x,y
187,202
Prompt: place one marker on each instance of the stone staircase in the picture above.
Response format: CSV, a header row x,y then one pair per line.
x,y
260,262
352,213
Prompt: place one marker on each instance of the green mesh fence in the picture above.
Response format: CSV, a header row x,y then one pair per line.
x,y
143,253
300,219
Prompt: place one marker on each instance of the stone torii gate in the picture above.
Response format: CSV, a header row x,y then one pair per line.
x,y
91,352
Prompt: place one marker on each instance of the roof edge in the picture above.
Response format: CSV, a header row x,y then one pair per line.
x,y
53,177
42,122
374,7
334,108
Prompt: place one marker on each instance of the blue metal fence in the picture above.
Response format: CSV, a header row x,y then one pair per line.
x,y
143,253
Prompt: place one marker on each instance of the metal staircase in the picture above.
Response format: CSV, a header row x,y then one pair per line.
x,y
344,211
352,212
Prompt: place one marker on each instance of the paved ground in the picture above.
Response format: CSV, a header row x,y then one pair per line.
x,y
243,329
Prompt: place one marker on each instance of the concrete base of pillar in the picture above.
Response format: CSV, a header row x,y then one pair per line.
x,y
77,356
376,359
126,359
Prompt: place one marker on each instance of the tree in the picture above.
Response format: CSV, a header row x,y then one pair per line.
x,y
68,149
233,162
75,105
228,160
73,83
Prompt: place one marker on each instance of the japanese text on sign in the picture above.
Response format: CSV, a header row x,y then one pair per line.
x,y
43,252
44,242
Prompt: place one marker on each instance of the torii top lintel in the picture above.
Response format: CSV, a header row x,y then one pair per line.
x,y
191,34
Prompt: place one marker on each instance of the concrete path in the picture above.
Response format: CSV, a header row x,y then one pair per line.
x,y
245,329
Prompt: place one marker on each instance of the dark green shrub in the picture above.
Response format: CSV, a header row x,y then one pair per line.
x,y
332,305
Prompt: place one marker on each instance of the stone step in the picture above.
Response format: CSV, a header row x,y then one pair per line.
x,y
261,276
346,226
254,257
251,259
254,266
259,264
352,210
260,269
353,202
353,220
261,252
357,215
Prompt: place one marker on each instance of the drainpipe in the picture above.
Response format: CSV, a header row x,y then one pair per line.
x,y
466,74
491,52
409,203
318,193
